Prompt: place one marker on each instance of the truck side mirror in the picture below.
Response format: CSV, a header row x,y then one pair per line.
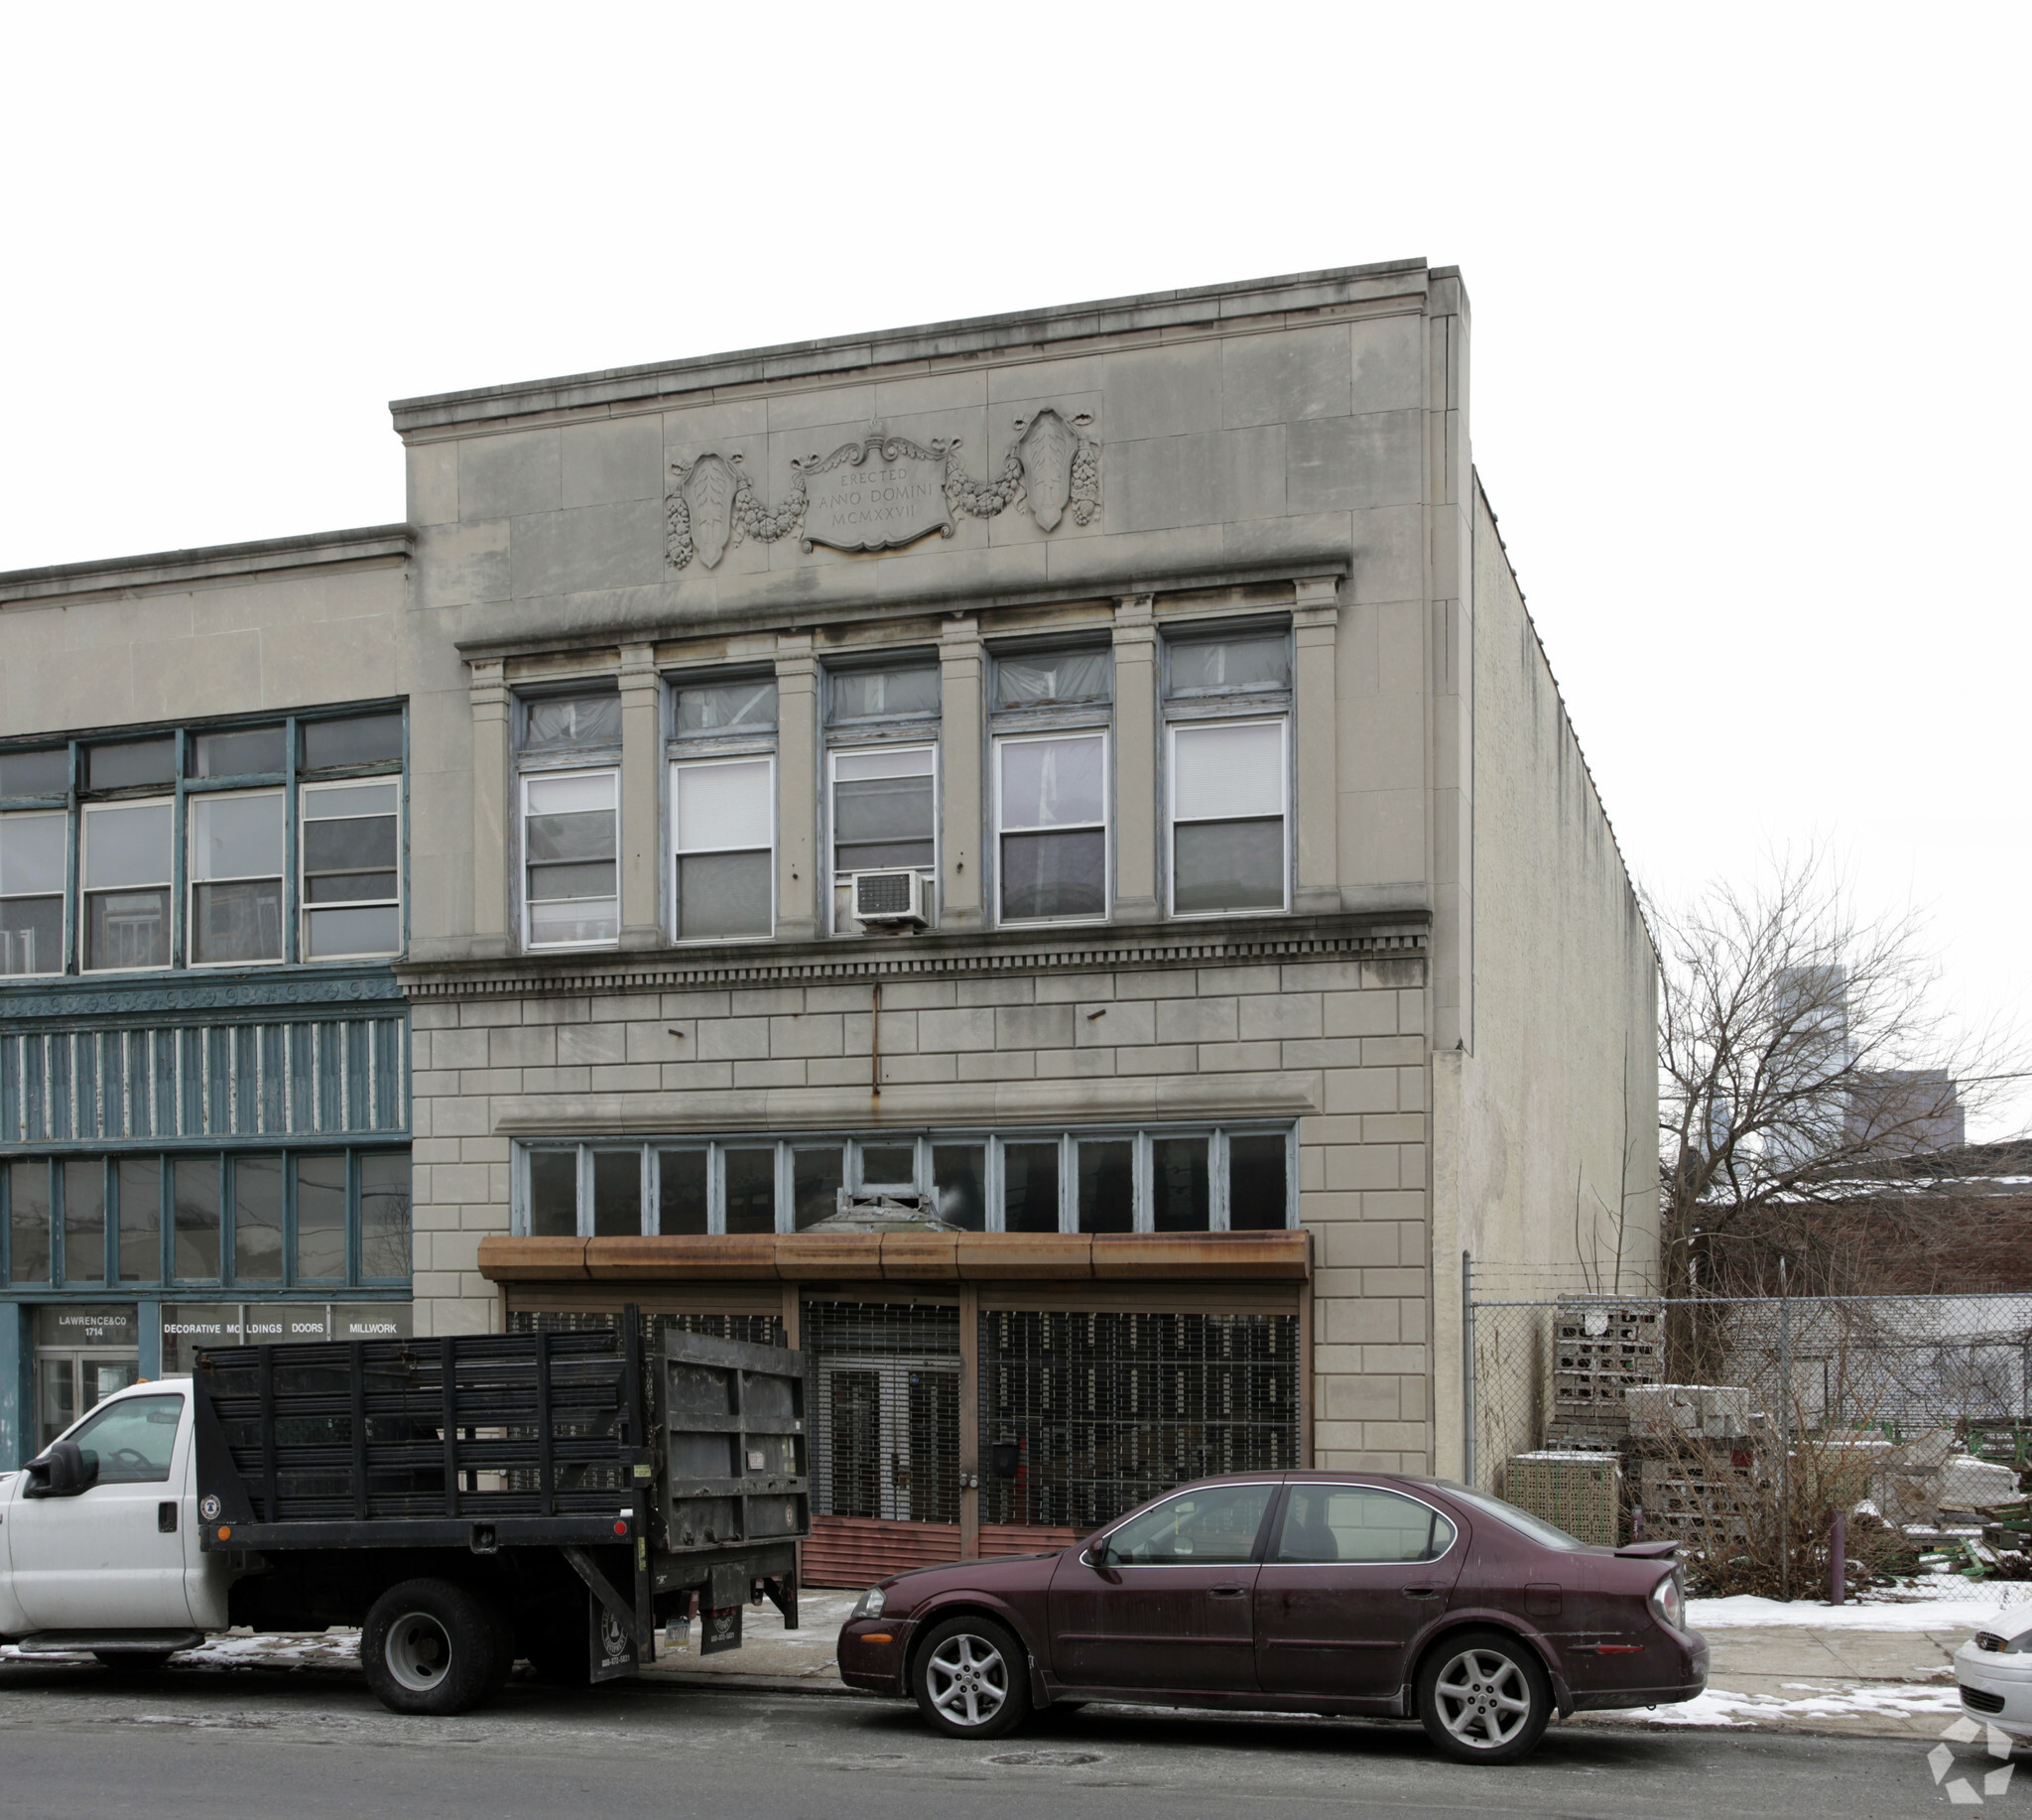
x,y
63,1469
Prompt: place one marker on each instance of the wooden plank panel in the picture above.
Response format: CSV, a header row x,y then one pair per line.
x,y
855,1552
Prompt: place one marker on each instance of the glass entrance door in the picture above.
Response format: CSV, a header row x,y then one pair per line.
x,y
83,1354
888,1439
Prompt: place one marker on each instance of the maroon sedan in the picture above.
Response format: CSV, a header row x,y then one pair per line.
x,y
1347,1592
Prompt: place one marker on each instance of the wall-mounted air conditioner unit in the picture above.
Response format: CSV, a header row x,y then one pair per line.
x,y
891,899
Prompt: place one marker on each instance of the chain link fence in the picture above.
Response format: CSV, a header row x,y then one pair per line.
x,y
1743,1427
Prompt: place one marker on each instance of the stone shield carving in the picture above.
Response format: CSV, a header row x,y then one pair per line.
x,y
708,496
1046,452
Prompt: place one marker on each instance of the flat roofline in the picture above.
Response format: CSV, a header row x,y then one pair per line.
x,y
317,549
1150,312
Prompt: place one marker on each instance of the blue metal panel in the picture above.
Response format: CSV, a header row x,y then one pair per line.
x,y
388,1094
190,1082
57,1054
273,1079
149,1330
17,1360
358,1088
163,1070
84,1060
303,1049
34,1086
331,1073
246,1046
218,1080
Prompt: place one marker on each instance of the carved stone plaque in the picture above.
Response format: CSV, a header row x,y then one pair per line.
x,y
875,496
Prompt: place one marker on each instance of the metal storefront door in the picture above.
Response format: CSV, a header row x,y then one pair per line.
x,y
888,1440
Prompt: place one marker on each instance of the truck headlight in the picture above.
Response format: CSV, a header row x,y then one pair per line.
x,y
872,1603
1669,1603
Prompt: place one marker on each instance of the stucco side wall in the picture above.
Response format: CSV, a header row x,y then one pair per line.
x,y
116,656
1546,1118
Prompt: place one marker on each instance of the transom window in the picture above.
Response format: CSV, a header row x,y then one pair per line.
x,y
1158,1179
173,846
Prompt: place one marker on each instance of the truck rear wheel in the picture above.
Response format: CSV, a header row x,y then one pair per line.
x,y
430,1646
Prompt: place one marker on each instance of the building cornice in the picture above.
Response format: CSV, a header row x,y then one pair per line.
x,y
208,997
1153,317
1256,941
213,562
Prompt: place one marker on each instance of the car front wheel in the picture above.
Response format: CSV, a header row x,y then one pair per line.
x,y
970,1679
1483,1696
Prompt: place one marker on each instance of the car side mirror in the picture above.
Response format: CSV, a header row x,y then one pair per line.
x,y
63,1469
1095,1553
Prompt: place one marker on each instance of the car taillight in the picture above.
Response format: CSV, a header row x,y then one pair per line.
x,y
1669,1603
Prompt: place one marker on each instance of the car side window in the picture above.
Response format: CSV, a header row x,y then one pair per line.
x,y
1210,1526
134,1439
1359,1523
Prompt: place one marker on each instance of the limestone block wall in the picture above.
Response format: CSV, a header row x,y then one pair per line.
x,y
1340,1044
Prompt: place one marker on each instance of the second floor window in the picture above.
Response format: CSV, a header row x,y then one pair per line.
x,y
571,825
723,812
236,869
570,842
1228,766
1051,819
31,893
883,811
127,864
723,808
112,820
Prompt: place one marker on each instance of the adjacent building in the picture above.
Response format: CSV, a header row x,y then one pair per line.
x,y
1038,860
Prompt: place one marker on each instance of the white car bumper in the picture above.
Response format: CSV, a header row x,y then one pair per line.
x,y
1996,1689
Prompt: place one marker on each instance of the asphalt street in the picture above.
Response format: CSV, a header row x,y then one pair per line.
x,y
77,1741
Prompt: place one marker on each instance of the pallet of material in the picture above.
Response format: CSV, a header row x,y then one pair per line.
x,y
1580,1491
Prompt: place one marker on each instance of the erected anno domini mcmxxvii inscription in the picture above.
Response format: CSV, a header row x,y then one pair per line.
x,y
875,496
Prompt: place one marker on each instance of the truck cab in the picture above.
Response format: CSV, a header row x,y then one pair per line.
x,y
100,1534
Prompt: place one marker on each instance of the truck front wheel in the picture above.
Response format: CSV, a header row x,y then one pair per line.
x,y
430,1646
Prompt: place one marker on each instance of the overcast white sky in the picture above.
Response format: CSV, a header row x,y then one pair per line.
x,y
1751,369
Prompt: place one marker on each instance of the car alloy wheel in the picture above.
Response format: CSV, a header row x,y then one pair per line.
x,y
1483,1695
970,1678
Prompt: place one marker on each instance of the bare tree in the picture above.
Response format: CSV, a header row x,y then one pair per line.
x,y
1804,1067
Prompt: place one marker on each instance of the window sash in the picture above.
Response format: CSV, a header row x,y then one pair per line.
x,y
531,868
875,764
1275,808
706,861
1023,839
344,916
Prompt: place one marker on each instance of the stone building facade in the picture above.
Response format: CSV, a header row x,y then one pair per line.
x,y
1038,860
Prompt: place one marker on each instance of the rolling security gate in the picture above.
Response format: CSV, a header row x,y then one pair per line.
x,y
1083,1416
882,1400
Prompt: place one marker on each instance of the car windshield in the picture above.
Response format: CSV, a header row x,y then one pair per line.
x,y
1536,1527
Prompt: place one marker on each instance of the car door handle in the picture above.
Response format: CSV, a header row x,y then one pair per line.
x,y
166,1518
1421,1592
1227,1592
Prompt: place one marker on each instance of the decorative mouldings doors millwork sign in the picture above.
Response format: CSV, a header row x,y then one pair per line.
x,y
883,493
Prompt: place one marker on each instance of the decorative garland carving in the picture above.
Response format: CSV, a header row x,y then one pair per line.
x,y
1053,465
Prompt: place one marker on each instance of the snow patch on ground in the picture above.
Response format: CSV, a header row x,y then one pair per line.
x,y
1951,1605
1717,1707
